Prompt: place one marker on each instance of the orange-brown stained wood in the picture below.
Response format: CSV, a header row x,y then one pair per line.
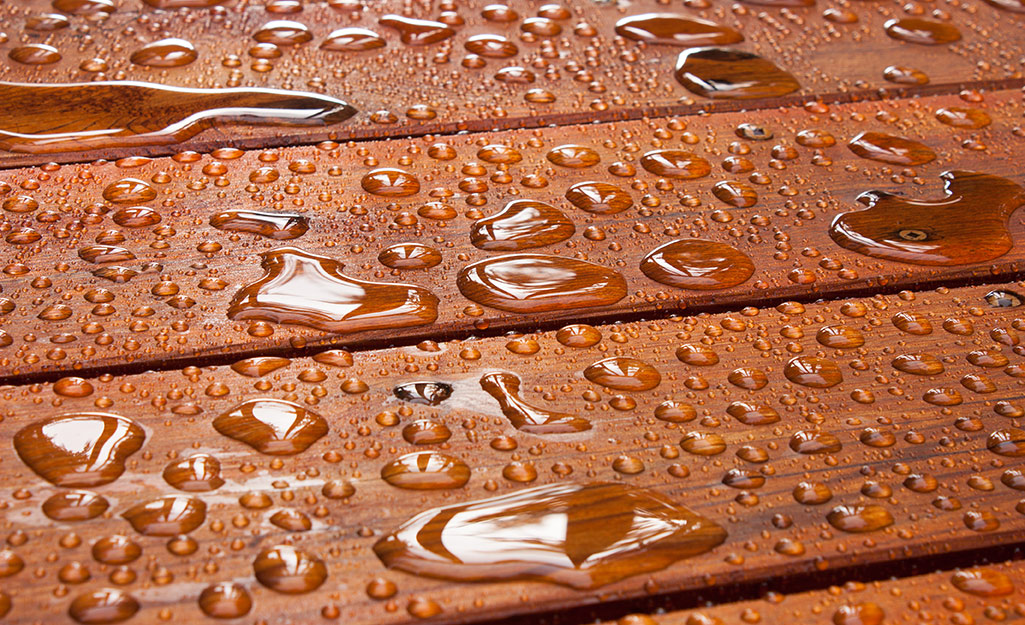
x,y
979,594
882,462
425,69
156,262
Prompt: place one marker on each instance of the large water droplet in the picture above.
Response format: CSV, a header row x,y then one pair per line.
x,y
426,470
623,374
272,426
165,53
732,75
599,197
289,570
697,264
277,226
885,148
858,519
522,224
505,388
923,32
583,536
676,29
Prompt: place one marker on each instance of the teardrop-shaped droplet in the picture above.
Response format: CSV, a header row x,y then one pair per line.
x,y
505,389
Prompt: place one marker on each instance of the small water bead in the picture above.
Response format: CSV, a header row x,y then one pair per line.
x,y
676,29
425,393
171,52
623,374
578,335
289,570
581,536
752,414
225,600
721,73
426,470
167,516
74,505
415,32
522,224
813,442
599,198
698,265
197,473
272,426
885,148
426,432
409,256
352,40
533,283
676,164
103,606
390,182
981,582
703,443
79,450
922,31
1008,442
813,372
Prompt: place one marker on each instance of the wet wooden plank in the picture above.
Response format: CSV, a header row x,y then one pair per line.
x,y
915,451
974,594
589,71
69,248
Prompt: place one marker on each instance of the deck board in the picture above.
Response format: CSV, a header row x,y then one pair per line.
x,y
921,450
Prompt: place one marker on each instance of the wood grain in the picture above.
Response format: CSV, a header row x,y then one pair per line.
x,y
917,448
174,310
402,89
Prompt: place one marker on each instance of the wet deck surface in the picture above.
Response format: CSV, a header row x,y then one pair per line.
x,y
659,314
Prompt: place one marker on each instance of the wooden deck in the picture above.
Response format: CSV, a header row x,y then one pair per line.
x,y
387,313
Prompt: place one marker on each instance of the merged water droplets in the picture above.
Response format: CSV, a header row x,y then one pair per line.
x,y
415,32
522,224
505,388
124,114
79,450
582,536
305,289
933,232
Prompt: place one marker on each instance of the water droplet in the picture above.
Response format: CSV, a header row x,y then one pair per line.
x,y
623,374
573,156
920,31
165,53
675,29
983,583
310,290
492,46
1003,299
813,372
116,550
578,335
103,606
676,164
858,519
283,33
277,226
388,182
35,54
840,337
352,40
933,232
126,114
505,388
752,414
520,225
225,600
272,426
918,364
885,148
259,366
600,198
426,393
866,613
703,443
409,256
79,450
167,516
697,264
414,32
1009,442
533,283
197,473
962,117
289,570
426,470
724,74
74,505
426,432
582,536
